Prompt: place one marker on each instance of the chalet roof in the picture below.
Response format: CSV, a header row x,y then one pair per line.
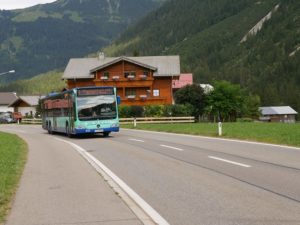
x,y
7,98
184,79
161,65
123,59
29,100
277,110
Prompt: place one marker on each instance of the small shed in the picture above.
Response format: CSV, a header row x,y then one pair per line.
x,y
283,114
26,105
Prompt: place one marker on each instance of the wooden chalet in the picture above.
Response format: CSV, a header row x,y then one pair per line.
x,y
139,80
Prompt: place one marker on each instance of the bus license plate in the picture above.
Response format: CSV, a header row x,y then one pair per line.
x,y
98,131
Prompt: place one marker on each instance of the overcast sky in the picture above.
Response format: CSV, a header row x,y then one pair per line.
x,y
19,4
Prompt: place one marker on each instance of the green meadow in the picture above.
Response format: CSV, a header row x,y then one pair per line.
x,y
276,133
13,151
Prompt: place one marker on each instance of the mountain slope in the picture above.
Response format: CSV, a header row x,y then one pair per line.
x,y
44,37
207,35
38,85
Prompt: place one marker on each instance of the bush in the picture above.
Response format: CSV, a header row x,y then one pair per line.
x,y
137,111
245,119
178,110
124,111
154,110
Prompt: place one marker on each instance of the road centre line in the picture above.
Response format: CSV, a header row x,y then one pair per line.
x,y
217,139
228,161
137,140
105,172
171,147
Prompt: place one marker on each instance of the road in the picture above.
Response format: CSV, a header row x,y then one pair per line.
x,y
192,180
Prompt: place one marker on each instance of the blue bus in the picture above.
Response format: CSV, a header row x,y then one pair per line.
x,y
82,110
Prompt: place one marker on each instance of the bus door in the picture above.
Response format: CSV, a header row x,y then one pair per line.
x,y
71,111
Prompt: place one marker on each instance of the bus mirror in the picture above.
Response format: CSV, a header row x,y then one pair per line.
x,y
118,100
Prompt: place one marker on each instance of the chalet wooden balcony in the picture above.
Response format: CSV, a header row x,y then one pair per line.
x,y
124,82
143,100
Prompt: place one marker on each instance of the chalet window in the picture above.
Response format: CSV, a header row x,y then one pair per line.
x,y
106,74
130,91
146,73
129,74
156,93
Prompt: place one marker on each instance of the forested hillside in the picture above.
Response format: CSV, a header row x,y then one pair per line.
x,y
38,85
42,38
208,34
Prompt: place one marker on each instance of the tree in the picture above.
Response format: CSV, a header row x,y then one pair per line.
x,y
225,102
193,95
251,106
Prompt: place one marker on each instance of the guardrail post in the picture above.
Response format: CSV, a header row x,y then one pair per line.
x,y
134,122
220,128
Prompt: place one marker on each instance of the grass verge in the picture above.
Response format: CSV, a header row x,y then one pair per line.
x,y
13,152
276,133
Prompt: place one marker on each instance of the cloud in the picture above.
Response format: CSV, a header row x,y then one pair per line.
x,y
19,4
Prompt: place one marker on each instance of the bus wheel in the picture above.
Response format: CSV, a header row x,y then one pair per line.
x,y
106,134
68,133
50,129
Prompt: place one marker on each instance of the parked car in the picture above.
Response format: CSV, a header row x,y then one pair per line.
x,y
6,117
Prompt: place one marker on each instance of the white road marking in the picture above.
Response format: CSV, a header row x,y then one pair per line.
x,y
102,169
137,140
171,147
216,139
228,161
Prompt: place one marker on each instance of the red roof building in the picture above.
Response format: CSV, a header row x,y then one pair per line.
x,y
184,79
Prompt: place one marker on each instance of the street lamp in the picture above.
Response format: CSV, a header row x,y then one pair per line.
x,y
11,71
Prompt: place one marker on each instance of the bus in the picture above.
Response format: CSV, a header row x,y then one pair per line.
x,y
82,110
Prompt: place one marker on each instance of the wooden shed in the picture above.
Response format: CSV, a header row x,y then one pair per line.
x,y
283,114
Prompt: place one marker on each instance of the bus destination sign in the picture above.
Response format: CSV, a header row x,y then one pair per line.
x,y
95,92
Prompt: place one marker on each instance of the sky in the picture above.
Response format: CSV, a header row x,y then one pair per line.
x,y
19,4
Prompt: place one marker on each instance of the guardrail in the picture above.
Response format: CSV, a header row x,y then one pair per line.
x,y
31,121
187,119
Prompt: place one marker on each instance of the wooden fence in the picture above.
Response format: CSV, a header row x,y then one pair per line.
x,y
31,121
188,119
138,120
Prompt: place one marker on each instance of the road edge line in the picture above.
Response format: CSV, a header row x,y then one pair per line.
x,y
139,206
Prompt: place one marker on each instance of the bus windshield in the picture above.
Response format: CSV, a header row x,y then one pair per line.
x,y
101,107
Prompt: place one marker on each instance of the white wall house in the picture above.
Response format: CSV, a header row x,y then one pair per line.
x,y
6,98
26,105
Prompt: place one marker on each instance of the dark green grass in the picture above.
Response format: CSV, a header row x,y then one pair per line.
x,y
277,133
13,151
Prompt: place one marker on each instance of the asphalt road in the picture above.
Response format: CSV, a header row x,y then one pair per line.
x,y
196,180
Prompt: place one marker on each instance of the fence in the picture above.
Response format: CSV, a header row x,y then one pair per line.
x,y
31,121
188,119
